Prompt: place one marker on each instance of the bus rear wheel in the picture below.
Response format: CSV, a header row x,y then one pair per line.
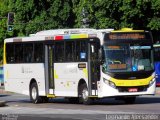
x,y
84,95
34,95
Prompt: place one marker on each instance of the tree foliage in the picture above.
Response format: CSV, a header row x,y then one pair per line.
x,y
36,15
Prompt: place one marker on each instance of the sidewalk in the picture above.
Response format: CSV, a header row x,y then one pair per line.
x,y
157,90
2,103
2,91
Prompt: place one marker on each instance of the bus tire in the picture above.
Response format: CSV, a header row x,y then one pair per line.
x,y
84,95
45,99
34,94
130,100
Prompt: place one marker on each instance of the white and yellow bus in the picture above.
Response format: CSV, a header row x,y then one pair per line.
x,y
80,64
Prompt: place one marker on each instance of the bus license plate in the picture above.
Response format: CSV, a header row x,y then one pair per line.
x,y
132,90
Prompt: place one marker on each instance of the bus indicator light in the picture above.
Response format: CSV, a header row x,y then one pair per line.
x,y
66,36
79,36
58,38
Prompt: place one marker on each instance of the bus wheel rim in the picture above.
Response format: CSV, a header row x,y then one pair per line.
x,y
34,93
85,94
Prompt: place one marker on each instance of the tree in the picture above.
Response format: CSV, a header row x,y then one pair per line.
x,y
135,13
4,9
154,20
36,15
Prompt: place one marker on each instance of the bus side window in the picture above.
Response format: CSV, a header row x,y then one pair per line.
x,y
59,51
157,54
19,53
77,51
10,53
69,51
38,52
81,51
28,53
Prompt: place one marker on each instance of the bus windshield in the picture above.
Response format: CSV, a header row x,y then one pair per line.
x,y
128,58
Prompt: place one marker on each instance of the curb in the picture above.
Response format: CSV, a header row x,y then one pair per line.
x,y
2,103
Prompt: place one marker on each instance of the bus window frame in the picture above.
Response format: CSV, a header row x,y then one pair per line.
x,y
75,41
23,43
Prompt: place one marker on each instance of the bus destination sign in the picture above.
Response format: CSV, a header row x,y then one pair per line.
x,y
126,36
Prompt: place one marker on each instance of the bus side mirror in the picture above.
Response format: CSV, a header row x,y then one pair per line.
x,y
101,56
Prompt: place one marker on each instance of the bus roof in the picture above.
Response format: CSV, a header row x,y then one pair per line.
x,y
126,30
20,39
59,34
65,31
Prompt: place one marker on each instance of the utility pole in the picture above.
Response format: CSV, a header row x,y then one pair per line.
x,y
85,21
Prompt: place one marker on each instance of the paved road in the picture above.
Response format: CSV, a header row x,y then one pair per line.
x,y
62,109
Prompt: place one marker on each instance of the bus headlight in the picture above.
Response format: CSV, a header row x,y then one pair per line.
x,y
153,75
151,82
110,83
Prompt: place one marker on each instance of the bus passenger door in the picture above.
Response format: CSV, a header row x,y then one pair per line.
x,y
49,67
93,66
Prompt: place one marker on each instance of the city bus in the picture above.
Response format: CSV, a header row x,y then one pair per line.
x,y
81,65
128,64
157,63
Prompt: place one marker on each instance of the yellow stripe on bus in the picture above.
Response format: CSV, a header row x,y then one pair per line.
x,y
85,71
4,53
73,36
51,96
127,30
55,75
136,82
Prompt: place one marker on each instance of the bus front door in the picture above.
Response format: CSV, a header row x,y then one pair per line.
x,y
94,67
49,66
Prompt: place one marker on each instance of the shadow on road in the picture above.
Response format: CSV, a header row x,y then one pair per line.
x,y
4,95
112,101
106,101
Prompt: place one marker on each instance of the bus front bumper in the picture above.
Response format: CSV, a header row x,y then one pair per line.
x,y
108,91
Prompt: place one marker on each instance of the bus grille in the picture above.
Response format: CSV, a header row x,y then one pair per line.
x,y
126,89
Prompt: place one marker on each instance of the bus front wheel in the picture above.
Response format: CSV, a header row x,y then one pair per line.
x,y
34,95
84,95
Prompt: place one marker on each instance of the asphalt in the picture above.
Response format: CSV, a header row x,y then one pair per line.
x,y
3,103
